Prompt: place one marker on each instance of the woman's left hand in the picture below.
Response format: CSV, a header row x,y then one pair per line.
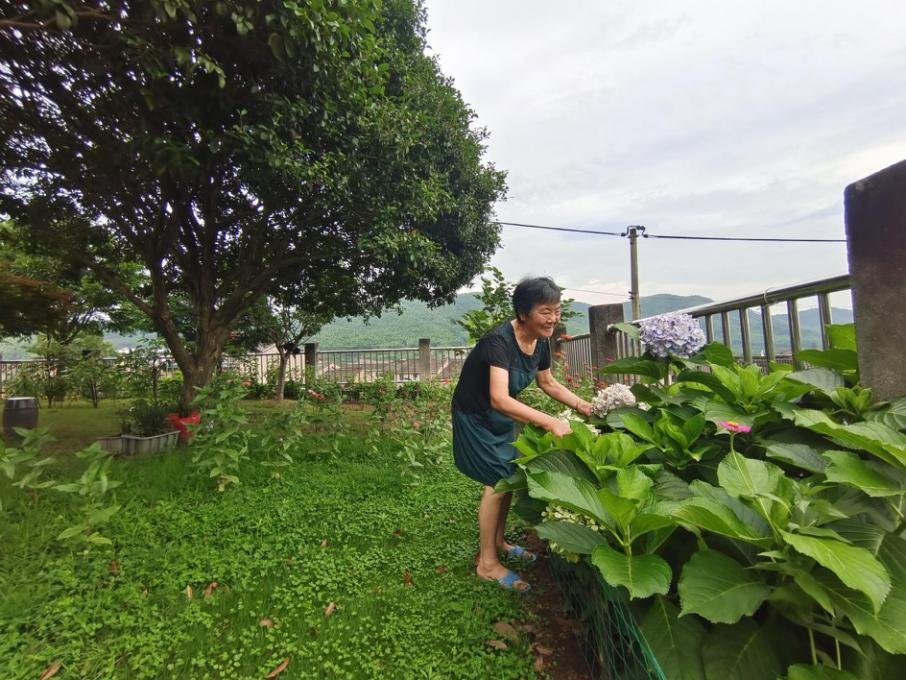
x,y
584,407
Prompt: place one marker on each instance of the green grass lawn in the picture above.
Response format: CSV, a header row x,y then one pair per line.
x,y
77,425
394,563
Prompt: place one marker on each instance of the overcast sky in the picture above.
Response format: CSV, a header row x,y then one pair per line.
x,y
688,117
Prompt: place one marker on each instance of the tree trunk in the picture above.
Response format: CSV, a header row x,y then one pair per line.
x,y
197,375
281,374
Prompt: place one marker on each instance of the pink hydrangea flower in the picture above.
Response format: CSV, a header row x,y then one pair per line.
x,y
731,426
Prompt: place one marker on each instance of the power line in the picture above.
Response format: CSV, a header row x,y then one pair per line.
x,y
743,238
576,231
679,237
596,292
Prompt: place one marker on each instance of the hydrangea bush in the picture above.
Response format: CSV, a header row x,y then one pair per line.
x,y
672,334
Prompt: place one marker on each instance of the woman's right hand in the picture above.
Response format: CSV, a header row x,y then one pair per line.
x,y
559,428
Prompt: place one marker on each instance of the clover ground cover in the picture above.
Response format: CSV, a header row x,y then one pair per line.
x,y
339,536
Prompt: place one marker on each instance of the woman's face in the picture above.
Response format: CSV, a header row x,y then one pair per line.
x,y
543,319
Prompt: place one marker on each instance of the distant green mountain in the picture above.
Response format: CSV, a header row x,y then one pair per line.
x,y
418,321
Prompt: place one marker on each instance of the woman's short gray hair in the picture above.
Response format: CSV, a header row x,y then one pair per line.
x,y
533,291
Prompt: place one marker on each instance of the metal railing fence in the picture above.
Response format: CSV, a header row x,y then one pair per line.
x,y
341,366
732,322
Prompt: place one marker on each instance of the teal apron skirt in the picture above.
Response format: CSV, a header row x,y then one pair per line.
x,y
483,442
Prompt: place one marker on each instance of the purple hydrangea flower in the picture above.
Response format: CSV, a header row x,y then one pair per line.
x,y
674,333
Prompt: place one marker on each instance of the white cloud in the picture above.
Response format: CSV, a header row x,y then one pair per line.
x,y
703,118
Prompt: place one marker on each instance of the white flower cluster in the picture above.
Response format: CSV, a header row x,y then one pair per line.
x,y
672,333
611,397
569,414
557,513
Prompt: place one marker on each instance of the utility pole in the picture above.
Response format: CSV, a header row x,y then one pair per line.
x,y
633,232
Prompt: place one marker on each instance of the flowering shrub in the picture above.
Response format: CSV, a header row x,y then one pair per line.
x,y
673,333
611,397
734,540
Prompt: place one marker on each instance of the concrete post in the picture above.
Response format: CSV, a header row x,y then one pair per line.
x,y
603,344
876,241
311,362
424,358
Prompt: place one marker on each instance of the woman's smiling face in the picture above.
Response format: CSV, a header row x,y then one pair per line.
x,y
543,319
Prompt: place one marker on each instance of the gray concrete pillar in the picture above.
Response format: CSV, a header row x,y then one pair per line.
x,y
603,344
424,358
876,240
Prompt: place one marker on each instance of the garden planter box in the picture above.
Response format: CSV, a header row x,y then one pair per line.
x,y
128,444
112,444
181,424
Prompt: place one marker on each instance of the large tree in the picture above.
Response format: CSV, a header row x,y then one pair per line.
x,y
239,147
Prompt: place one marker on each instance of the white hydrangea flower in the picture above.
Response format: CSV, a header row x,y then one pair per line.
x,y
611,397
557,513
673,333
568,414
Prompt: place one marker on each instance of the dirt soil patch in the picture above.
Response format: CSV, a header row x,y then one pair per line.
x,y
555,637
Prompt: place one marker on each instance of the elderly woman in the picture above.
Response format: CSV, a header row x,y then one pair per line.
x,y
502,364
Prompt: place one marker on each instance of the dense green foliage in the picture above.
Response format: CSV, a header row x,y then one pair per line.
x,y
761,515
333,532
238,148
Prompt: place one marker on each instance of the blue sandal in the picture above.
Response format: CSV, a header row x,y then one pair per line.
x,y
508,581
522,553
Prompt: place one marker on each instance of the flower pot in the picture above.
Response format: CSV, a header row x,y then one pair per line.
x,y
181,424
161,442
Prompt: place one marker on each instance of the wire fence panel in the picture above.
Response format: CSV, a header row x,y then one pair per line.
x,y
447,362
577,361
366,365
615,648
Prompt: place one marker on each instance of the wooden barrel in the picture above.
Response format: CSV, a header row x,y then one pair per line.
x,y
19,412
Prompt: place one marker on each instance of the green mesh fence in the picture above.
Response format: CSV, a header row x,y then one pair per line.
x,y
613,645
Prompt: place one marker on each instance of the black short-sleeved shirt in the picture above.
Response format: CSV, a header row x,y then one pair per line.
x,y
497,347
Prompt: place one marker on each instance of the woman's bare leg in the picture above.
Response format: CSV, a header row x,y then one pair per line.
x,y
491,517
501,542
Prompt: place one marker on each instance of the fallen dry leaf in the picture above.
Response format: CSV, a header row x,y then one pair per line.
x,y
496,644
441,569
278,670
324,543
266,623
114,567
539,663
407,577
330,609
51,670
212,586
546,651
506,630
398,532
189,592
528,628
